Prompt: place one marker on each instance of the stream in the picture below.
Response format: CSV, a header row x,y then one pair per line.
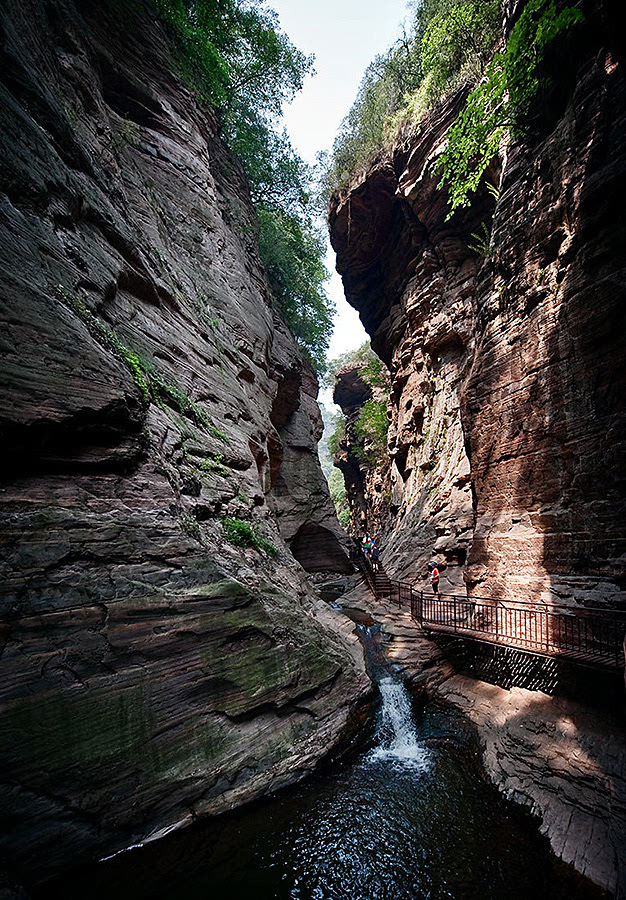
x,y
410,817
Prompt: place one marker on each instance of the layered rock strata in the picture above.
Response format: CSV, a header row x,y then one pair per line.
x,y
508,408
507,439
412,277
365,473
154,409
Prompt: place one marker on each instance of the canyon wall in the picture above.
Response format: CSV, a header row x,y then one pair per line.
x,y
154,407
365,474
507,362
507,421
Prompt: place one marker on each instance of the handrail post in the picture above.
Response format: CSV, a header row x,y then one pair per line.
x,y
455,612
496,621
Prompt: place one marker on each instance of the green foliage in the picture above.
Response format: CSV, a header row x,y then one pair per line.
x,y
344,517
213,464
362,133
338,435
481,239
152,385
371,428
191,527
361,358
243,534
503,100
371,368
236,58
448,41
458,42
234,54
329,420
337,488
375,372
292,252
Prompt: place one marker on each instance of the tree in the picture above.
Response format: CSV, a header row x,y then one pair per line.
x,y
236,58
449,40
502,102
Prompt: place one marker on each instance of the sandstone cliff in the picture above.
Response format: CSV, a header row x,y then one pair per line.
x,y
508,413
507,399
150,670
365,472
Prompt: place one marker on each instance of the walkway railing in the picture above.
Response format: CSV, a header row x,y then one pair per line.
x,y
594,637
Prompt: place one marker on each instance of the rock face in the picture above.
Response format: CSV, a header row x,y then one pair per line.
x,y
151,670
508,408
507,371
412,278
366,475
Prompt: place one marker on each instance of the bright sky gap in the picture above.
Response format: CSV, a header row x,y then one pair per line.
x,y
344,36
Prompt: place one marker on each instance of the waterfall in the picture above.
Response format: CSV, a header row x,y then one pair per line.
x,y
397,736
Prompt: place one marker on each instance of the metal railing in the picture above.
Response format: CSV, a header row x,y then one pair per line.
x,y
589,636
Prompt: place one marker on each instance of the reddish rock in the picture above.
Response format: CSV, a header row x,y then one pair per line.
x,y
508,404
507,397
364,469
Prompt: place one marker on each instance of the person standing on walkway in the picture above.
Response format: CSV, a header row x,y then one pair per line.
x,y
375,555
434,579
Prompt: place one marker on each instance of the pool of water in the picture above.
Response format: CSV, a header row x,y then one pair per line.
x,y
410,817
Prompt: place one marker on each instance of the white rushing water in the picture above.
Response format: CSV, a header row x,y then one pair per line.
x,y
397,736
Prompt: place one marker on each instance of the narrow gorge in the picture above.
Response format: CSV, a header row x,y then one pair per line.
x,y
154,406
168,651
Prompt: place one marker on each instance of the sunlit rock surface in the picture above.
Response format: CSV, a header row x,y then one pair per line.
x,y
150,671
508,371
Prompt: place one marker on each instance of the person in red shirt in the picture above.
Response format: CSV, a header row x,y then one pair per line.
x,y
434,577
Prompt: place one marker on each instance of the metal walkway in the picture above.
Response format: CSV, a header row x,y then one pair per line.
x,y
591,637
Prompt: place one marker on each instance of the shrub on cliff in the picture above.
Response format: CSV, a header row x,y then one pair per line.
x,y
337,487
338,435
292,251
371,367
448,41
243,534
371,429
451,43
502,101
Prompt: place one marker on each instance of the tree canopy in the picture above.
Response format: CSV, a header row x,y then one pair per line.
x,y
237,59
446,42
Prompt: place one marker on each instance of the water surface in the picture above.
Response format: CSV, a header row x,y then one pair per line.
x,y
411,817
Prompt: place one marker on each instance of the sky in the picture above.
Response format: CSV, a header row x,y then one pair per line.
x,y
344,36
